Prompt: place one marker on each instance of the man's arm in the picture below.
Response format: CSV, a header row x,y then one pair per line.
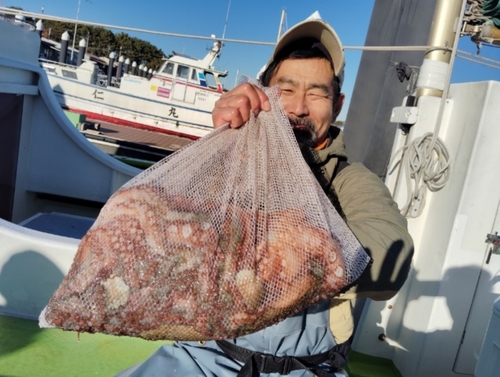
x,y
374,218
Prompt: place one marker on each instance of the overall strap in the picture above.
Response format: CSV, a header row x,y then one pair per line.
x,y
255,362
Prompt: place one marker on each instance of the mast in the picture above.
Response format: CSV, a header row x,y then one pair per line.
x,y
227,17
445,31
280,30
76,27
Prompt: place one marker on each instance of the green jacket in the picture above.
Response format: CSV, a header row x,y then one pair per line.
x,y
367,206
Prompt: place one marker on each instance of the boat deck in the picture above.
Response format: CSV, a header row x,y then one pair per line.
x,y
132,142
136,135
26,351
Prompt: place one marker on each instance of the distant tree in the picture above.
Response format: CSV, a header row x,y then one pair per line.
x,y
54,29
339,123
138,50
102,42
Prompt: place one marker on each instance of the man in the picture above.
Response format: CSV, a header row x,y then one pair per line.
x,y
307,65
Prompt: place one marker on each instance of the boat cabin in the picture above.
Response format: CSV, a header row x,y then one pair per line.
x,y
185,69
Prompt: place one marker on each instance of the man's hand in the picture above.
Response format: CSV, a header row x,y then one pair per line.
x,y
234,107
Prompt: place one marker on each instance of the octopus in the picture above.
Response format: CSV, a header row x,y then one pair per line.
x,y
154,266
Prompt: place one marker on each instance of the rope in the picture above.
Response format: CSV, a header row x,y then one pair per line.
x,y
474,11
425,161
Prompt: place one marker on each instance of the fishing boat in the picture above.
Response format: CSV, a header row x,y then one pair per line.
x,y
443,323
176,99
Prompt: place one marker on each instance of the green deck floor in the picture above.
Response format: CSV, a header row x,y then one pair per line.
x,y
361,365
28,351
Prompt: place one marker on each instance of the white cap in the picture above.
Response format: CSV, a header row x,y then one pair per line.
x,y
315,27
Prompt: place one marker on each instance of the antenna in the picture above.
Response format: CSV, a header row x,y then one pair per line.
x,y
76,26
227,17
280,30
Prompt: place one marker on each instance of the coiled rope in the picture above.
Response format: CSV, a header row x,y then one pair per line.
x,y
426,161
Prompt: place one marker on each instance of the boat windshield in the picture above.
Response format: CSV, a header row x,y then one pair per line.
x,y
211,80
169,69
182,72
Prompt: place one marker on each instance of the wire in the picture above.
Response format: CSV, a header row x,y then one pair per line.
x,y
478,56
478,62
225,40
478,59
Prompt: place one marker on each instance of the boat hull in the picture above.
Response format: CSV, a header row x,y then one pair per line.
x,y
149,108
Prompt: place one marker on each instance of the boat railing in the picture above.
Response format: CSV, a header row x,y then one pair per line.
x,y
44,62
102,79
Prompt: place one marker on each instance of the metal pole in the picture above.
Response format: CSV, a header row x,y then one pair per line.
x,y
64,47
444,29
76,25
227,17
82,46
282,20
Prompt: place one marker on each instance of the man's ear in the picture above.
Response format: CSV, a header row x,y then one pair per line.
x,y
337,108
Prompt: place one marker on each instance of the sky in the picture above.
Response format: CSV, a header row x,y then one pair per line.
x,y
248,20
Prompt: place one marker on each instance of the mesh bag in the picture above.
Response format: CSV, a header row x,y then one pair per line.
x,y
223,238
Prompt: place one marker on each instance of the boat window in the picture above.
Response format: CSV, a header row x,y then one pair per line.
x,y
194,75
169,69
211,80
182,72
69,74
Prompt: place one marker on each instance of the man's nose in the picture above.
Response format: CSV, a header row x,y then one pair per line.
x,y
296,105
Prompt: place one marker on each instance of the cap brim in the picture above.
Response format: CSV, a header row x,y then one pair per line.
x,y
320,30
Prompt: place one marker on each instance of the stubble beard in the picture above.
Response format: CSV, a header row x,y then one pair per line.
x,y
305,131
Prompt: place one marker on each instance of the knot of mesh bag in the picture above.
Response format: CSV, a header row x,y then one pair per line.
x,y
225,237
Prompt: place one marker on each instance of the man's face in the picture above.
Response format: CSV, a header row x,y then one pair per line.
x,y
307,94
